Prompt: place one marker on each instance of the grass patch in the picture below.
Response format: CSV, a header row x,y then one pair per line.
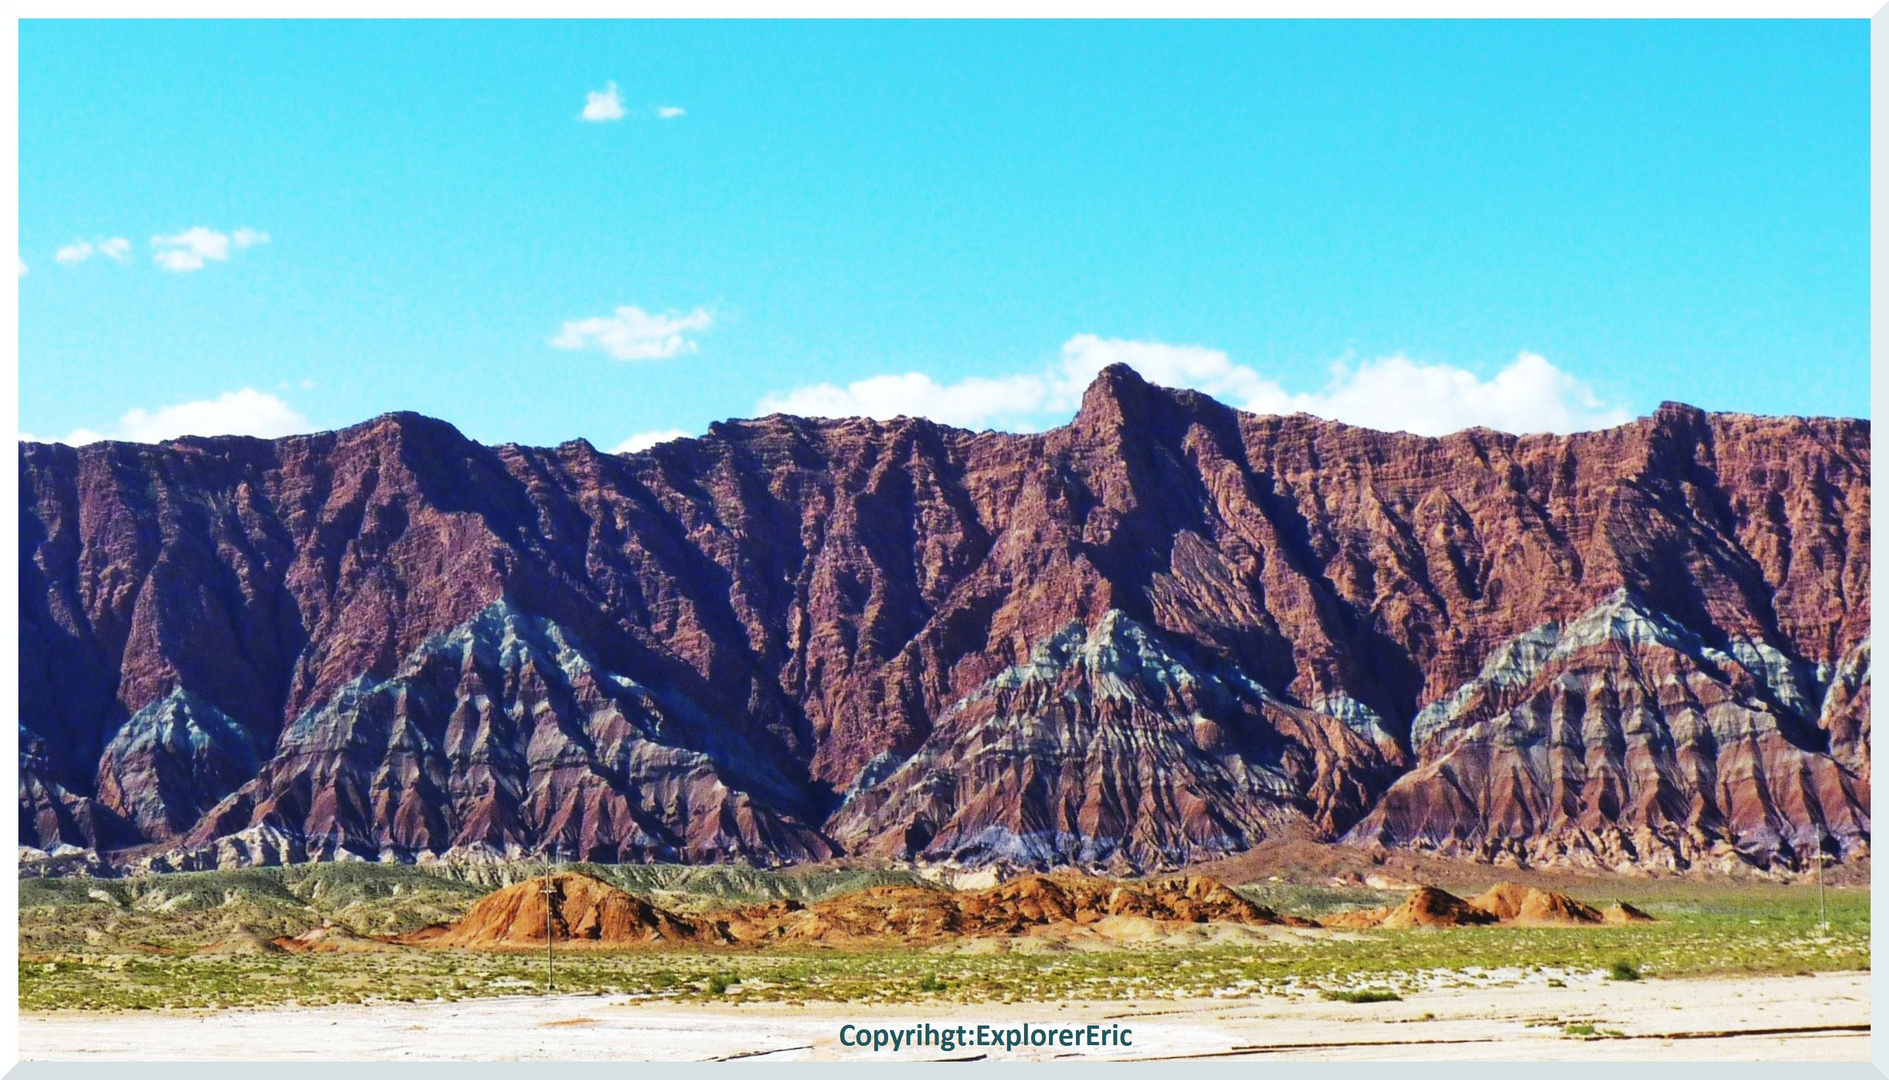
x,y
1623,971
134,943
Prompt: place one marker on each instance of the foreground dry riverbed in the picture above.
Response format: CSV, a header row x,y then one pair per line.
x,y
1804,1017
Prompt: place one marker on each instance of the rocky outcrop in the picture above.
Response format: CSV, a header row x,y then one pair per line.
x,y
1529,906
175,759
1029,905
571,908
1426,906
1107,748
1147,638
583,910
504,721
1622,738
1505,903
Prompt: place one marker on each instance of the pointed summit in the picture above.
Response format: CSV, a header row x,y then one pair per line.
x,y
1117,395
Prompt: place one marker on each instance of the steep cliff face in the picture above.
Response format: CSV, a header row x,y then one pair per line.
x,y
504,734
1622,737
1108,749
1143,639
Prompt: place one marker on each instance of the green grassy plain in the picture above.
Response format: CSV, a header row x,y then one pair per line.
x,y
133,944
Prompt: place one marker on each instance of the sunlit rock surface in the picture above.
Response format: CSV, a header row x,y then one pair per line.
x,y
1182,625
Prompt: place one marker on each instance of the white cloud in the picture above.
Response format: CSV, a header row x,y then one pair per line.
x,y
192,248
1398,394
603,104
1392,394
1012,402
115,248
22,266
645,440
240,412
670,112
630,333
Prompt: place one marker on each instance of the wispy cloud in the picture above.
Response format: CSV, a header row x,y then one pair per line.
x,y
1015,403
670,112
22,265
645,440
115,248
195,247
1392,393
601,105
630,333
239,412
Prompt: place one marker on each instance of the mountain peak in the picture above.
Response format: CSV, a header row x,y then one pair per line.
x,y
1116,394
755,631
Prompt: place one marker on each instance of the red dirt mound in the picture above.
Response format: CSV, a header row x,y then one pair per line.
x,y
1505,903
1535,907
1427,906
1622,912
1041,900
583,909
244,942
917,914
331,939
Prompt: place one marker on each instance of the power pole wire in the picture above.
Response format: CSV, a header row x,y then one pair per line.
x,y
548,890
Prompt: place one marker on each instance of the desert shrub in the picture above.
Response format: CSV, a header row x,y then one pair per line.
x,y
1360,997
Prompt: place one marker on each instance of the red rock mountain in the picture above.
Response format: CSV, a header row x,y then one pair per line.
x,y
1149,638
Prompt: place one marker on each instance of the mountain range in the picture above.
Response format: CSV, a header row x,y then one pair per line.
x,y
1151,638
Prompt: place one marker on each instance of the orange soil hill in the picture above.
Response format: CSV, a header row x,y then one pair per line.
x,y
243,942
331,939
1505,903
1427,906
1535,907
583,909
1622,912
1015,907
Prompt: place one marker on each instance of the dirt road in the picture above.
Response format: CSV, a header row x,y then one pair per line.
x,y
1820,1017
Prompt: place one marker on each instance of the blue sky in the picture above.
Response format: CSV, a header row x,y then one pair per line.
x,y
1539,226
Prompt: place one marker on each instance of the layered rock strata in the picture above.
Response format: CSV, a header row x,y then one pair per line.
x,y
1148,638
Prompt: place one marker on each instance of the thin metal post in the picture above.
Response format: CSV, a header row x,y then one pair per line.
x,y
1823,908
547,890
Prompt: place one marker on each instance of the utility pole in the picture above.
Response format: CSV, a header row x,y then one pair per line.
x,y
547,890
1823,909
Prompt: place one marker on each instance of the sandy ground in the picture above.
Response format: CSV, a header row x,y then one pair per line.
x,y
1497,1023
